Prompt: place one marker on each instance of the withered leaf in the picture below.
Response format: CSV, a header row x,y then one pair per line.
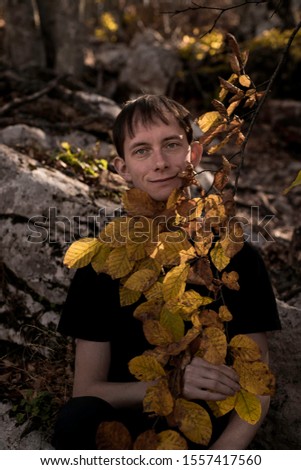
x,y
138,203
193,420
245,348
148,440
230,280
224,313
213,346
156,334
171,440
141,280
146,368
255,377
113,435
158,399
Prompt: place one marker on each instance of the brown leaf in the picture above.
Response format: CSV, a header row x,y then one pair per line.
x,y
224,313
213,346
171,440
193,421
200,273
113,435
148,440
138,202
230,280
158,399
156,334
255,377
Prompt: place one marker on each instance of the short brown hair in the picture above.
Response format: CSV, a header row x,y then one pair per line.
x,y
148,108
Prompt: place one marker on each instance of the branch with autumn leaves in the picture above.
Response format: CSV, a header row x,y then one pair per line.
x,y
158,248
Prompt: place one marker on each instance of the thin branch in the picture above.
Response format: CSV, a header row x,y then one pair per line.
x,y
221,11
17,102
263,100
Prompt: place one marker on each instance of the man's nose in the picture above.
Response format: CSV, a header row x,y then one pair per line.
x,y
160,160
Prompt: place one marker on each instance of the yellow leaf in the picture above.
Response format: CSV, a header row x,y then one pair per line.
x,y
244,348
171,246
135,250
154,292
116,232
173,323
156,334
222,407
188,303
158,399
233,240
100,259
214,209
218,257
171,440
146,368
81,252
113,435
176,348
255,377
193,421
245,80
296,182
203,242
149,263
207,120
248,406
149,310
118,263
213,346
175,281
127,296
141,280
208,318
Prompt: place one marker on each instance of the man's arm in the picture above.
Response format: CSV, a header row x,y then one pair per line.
x,y
92,362
238,433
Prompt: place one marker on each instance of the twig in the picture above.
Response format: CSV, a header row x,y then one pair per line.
x,y
262,102
221,11
20,101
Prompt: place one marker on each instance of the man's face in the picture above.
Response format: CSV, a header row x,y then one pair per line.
x,y
154,157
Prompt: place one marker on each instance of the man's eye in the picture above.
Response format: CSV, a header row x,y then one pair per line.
x,y
140,152
172,145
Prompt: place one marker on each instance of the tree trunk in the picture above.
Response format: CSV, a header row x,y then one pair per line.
x,y
69,38
63,35
22,43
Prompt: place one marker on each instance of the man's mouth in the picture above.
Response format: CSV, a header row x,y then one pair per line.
x,y
162,180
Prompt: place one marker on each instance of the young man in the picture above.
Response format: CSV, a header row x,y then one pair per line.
x,y
153,139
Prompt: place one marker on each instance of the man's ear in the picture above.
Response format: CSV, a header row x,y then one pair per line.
x,y
196,153
121,168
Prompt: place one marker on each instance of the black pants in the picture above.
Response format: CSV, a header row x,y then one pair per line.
x,y
80,417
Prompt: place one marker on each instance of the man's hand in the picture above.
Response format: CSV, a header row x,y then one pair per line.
x,y
205,381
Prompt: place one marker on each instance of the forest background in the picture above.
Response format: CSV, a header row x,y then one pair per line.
x,y
66,68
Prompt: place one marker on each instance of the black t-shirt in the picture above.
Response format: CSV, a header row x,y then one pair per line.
x,y
92,310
